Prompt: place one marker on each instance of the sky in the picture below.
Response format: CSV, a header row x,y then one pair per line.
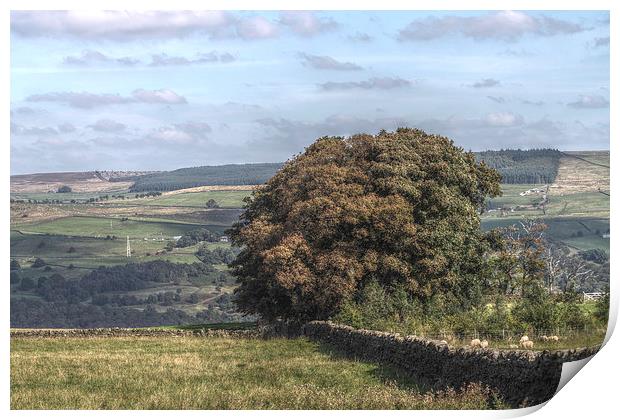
x,y
117,90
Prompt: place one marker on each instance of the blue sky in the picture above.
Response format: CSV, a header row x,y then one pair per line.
x,y
162,90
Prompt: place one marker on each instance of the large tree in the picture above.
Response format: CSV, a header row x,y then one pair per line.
x,y
398,208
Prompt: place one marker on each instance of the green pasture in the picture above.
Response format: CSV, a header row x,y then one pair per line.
x,y
225,199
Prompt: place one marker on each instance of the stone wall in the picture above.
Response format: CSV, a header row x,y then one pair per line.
x,y
131,332
521,377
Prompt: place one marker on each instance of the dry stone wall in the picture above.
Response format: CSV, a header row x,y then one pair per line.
x,y
521,377
132,332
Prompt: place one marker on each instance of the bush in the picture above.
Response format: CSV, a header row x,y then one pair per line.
x,y
38,263
27,284
64,189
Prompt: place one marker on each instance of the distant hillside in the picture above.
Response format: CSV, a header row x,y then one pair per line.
x,y
535,166
245,174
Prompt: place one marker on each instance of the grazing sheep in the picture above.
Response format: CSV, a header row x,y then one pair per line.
x,y
544,338
475,343
484,344
528,344
554,338
514,346
524,338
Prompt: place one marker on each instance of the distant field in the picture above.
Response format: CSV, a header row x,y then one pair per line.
x,y
101,227
227,199
214,373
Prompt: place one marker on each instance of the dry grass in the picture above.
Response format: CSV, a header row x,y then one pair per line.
x,y
576,175
214,373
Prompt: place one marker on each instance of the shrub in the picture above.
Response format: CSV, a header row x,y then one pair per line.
x,y
64,189
38,263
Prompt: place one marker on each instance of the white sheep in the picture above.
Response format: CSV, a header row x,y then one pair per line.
x,y
545,338
528,344
484,344
475,343
524,338
554,338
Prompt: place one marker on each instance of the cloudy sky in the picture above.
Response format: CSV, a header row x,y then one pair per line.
x,y
162,90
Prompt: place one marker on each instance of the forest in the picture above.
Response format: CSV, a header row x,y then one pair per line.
x,y
534,166
245,174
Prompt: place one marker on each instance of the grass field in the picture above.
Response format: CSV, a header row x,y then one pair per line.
x,y
225,199
102,226
214,373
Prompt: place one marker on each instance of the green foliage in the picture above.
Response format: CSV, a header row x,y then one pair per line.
x,y
196,236
217,255
601,310
399,208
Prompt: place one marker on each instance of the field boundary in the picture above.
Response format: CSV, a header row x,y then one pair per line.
x,y
520,377
131,332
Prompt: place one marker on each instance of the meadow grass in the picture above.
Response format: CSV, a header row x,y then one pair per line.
x,y
225,199
103,226
213,373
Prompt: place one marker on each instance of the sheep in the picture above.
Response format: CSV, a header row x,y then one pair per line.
x,y
475,343
513,346
544,338
554,338
528,344
484,344
524,338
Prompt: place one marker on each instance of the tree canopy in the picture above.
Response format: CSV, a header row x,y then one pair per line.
x,y
400,208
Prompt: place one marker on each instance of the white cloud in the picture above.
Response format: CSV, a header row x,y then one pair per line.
x,y
118,25
382,83
305,23
107,125
504,25
324,62
504,119
589,102
87,100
